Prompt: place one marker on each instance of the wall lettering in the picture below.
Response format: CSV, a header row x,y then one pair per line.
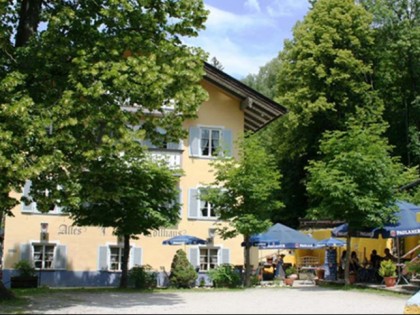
x,y
65,229
166,233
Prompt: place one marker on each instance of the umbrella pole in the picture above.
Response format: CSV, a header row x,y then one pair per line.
x,y
400,275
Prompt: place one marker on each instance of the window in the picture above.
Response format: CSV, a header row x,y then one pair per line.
x,y
209,141
43,255
116,257
197,208
208,258
206,209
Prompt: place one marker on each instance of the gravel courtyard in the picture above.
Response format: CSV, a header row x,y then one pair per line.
x,y
295,300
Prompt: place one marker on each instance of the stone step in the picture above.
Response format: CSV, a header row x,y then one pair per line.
x,y
415,281
410,287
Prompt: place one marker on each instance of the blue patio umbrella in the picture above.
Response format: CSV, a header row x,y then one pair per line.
x,y
407,224
331,242
280,236
184,240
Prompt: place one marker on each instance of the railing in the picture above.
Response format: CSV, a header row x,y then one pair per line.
x,y
172,157
410,252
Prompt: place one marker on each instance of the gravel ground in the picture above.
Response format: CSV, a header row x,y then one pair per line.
x,y
279,300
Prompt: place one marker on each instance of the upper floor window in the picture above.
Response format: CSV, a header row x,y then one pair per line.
x,y
209,141
198,208
32,207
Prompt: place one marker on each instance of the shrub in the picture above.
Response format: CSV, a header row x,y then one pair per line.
x,y
183,274
387,269
225,276
25,268
413,266
142,277
290,271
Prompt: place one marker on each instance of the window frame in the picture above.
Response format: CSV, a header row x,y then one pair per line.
x,y
210,140
119,257
208,257
43,256
209,206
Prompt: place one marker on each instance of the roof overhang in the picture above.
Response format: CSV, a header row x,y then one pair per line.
x,y
259,110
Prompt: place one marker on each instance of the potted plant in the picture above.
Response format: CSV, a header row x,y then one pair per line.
x,y
291,275
388,272
26,277
414,267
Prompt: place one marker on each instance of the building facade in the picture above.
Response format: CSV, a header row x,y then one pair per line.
x,y
66,255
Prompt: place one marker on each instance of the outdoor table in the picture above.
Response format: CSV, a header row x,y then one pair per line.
x,y
400,266
310,271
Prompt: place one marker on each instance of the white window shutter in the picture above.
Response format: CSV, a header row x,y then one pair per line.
x,y
227,142
194,141
194,256
193,203
60,258
180,203
136,255
103,258
224,256
26,189
26,252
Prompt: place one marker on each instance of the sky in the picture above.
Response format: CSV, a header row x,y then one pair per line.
x,y
244,35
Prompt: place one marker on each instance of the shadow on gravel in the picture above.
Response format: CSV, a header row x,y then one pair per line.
x,y
57,301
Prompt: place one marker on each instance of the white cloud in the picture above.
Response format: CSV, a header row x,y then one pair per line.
x,y
253,5
223,21
244,42
282,8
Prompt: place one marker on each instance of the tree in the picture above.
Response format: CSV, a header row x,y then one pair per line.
x,y
265,81
325,74
216,63
356,178
129,193
77,86
397,71
183,274
243,193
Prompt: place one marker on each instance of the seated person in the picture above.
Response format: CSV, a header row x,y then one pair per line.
x,y
268,270
375,260
389,256
354,264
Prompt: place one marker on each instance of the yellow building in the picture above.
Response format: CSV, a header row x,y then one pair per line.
x,y
66,255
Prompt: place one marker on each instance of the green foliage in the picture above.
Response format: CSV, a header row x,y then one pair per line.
x,y
78,96
290,271
25,268
397,71
387,269
142,277
325,75
413,266
243,192
225,276
183,274
254,280
356,178
265,81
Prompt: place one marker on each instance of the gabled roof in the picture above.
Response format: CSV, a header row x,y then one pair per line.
x,y
259,110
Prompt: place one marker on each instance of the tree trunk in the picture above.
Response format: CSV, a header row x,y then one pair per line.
x,y
347,265
124,263
247,280
5,294
30,11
